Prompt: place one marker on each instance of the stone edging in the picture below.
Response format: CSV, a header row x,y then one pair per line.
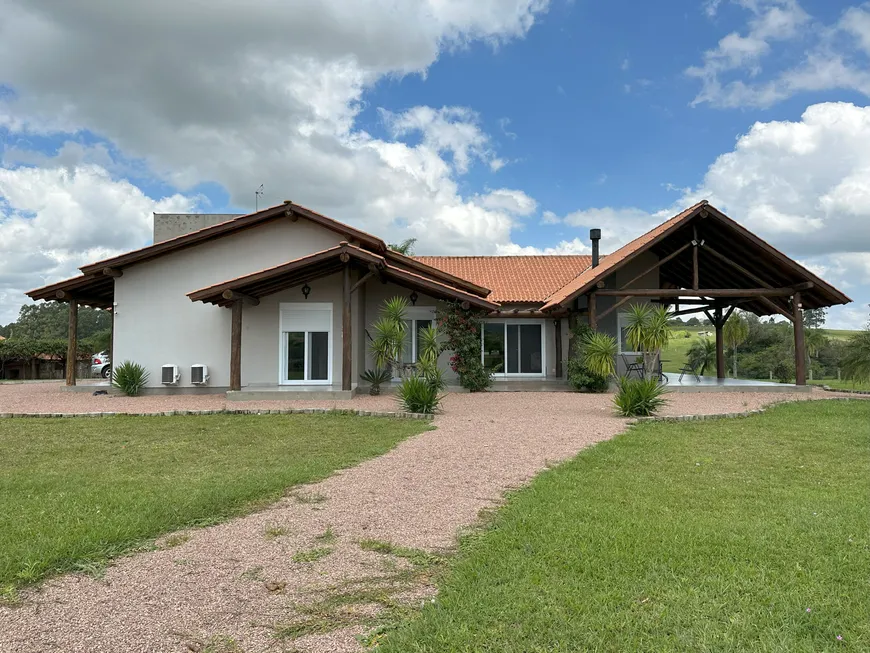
x,y
747,413
240,411
828,388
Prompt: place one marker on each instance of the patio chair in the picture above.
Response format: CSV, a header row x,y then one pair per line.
x,y
688,368
635,366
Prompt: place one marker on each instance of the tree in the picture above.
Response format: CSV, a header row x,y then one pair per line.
x,y
702,355
735,332
856,362
406,247
814,318
693,321
51,320
647,331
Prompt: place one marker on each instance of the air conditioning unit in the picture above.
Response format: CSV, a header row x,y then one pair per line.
x,y
169,375
199,374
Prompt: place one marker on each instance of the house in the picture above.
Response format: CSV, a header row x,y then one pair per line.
x,y
284,297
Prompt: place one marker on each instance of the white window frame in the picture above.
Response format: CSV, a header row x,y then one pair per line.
x,y
620,318
414,314
282,343
518,375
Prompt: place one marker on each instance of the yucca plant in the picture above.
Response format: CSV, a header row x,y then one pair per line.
x,y
129,378
390,330
647,331
639,397
376,378
417,394
599,354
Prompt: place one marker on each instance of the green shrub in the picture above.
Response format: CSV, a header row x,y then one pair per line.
x,y
599,354
461,329
639,397
376,378
582,379
129,378
784,370
418,394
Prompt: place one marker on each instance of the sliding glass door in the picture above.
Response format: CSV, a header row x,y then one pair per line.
x,y
513,348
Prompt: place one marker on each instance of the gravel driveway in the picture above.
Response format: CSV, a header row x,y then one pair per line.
x,y
234,581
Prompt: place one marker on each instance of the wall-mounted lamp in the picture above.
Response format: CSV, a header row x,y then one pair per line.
x,y
414,298
306,290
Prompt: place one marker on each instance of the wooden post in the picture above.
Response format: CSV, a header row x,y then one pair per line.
x,y
696,277
72,342
800,350
112,338
593,313
236,347
346,334
557,326
718,322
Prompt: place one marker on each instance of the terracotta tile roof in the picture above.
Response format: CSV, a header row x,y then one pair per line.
x,y
592,275
513,279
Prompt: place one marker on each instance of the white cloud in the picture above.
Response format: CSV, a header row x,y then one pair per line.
x,y
55,219
515,202
575,246
548,217
803,186
260,92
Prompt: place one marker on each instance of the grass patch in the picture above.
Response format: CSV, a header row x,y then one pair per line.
x,y
272,531
81,491
312,555
326,537
416,557
842,384
690,536
309,497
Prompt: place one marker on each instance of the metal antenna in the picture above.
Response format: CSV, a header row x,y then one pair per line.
x,y
257,195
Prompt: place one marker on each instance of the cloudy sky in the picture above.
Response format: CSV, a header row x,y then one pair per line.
x,y
494,126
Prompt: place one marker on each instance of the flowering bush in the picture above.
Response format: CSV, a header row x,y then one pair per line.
x,y
462,328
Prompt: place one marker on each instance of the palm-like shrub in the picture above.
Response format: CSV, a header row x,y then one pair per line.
x,y
701,355
648,332
599,354
390,330
735,332
376,378
856,363
129,378
639,397
418,395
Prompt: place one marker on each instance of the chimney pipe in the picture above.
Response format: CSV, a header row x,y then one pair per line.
x,y
595,237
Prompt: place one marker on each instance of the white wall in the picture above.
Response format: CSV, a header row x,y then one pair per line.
x,y
156,323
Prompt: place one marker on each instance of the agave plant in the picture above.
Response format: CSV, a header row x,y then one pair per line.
x,y
639,397
376,378
129,378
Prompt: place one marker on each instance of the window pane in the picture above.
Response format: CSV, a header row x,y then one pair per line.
x,y
407,347
513,348
421,325
493,346
530,349
623,340
296,356
318,356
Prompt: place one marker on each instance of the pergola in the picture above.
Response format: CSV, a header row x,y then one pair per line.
x,y
707,262
343,259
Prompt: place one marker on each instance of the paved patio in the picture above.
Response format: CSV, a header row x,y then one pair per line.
x,y
418,495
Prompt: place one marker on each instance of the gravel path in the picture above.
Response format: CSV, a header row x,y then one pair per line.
x,y
231,580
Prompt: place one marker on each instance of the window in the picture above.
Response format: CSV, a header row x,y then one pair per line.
x,y
306,343
624,347
510,348
411,347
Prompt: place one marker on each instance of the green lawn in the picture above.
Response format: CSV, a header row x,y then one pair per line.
x,y
733,535
75,492
842,385
674,355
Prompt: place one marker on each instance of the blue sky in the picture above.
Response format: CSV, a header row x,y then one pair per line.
x,y
497,127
